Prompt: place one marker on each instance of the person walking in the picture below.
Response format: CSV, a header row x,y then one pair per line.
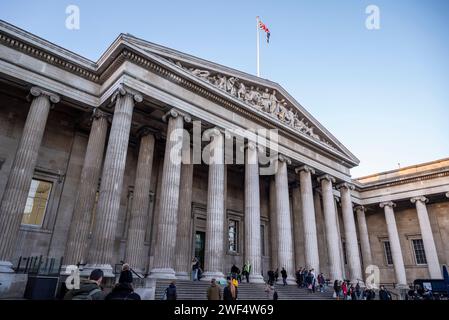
x,y
213,292
337,289
321,282
344,290
276,275
89,289
230,291
384,294
123,291
170,292
126,275
246,271
195,268
284,276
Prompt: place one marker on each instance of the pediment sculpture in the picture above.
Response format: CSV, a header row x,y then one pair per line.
x,y
262,99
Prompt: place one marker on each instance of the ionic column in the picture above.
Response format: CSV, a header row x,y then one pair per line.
x,y
298,230
164,262
308,215
330,218
352,246
273,226
183,256
427,237
108,206
252,214
19,180
87,191
395,244
364,236
135,248
284,223
214,246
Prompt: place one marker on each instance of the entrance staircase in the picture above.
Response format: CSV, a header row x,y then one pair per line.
x,y
197,290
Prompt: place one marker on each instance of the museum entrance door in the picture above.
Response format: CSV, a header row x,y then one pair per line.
x,y
200,238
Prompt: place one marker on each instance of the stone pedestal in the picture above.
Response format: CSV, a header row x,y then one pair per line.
x,y
395,244
87,190
106,218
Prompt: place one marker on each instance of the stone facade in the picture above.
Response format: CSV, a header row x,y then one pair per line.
x,y
103,135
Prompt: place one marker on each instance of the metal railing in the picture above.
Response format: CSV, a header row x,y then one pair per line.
x,y
39,265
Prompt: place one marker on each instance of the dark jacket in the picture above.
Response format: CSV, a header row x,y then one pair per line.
x,y
213,292
126,276
227,293
171,292
284,273
88,290
384,295
122,291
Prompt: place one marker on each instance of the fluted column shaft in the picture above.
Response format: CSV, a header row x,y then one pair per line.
x,y
108,206
184,231
330,218
19,180
273,226
284,223
214,247
433,263
252,214
395,244
364,236
164,262
134,252
308,217
87,190
352,245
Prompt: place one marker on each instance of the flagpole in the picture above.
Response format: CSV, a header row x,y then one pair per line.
x,y
258,55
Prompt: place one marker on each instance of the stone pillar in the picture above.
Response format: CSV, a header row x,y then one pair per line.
x,y
284,223
19,180
395,244
273,225
183,256
427,237
214,247
135,254
76,249
164,262
308,215
364,236
252,214
108,206
298,230
330,218
352,245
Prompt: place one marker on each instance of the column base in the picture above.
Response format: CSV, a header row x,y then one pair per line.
x,y
209,275
183,276
255,278
106,268
162,273
12,285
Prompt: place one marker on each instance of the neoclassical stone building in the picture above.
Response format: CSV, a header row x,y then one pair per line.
x,y
87,174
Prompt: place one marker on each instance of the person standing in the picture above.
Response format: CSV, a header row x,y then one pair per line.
x,y
276,275
344,289
171,291
337,289
321,282
247,271
213,292
384,294
125,275
89,289
230,291
123,291
284,276
195,268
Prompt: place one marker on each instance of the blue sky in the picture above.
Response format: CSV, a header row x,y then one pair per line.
x,y
383,93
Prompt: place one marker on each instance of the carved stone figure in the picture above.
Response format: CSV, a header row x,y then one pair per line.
x,y
241,93
249,95
282,111
265,101
230,86
200,73
289,117
273,101
221,82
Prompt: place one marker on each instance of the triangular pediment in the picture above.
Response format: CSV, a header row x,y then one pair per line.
x,y
260,95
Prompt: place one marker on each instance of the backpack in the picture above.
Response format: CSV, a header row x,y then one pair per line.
x,y
88,296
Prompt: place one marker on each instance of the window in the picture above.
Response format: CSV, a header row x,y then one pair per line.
x,y
418,249
36,204
345,256
262,239
233,235
388,255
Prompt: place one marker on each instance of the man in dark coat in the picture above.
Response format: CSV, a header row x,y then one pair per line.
x,y
89,289
384,294
284,276
171,291
125,274
122,291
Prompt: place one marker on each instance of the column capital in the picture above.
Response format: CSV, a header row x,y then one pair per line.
x,y
37,91
174,113
145,131
97,114
281,158
212,132
447,194
123,91
305,168
420,199
346,185
252,146
390,204
326,177
359,208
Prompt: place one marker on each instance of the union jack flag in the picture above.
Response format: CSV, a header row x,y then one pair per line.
x,y
263,27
